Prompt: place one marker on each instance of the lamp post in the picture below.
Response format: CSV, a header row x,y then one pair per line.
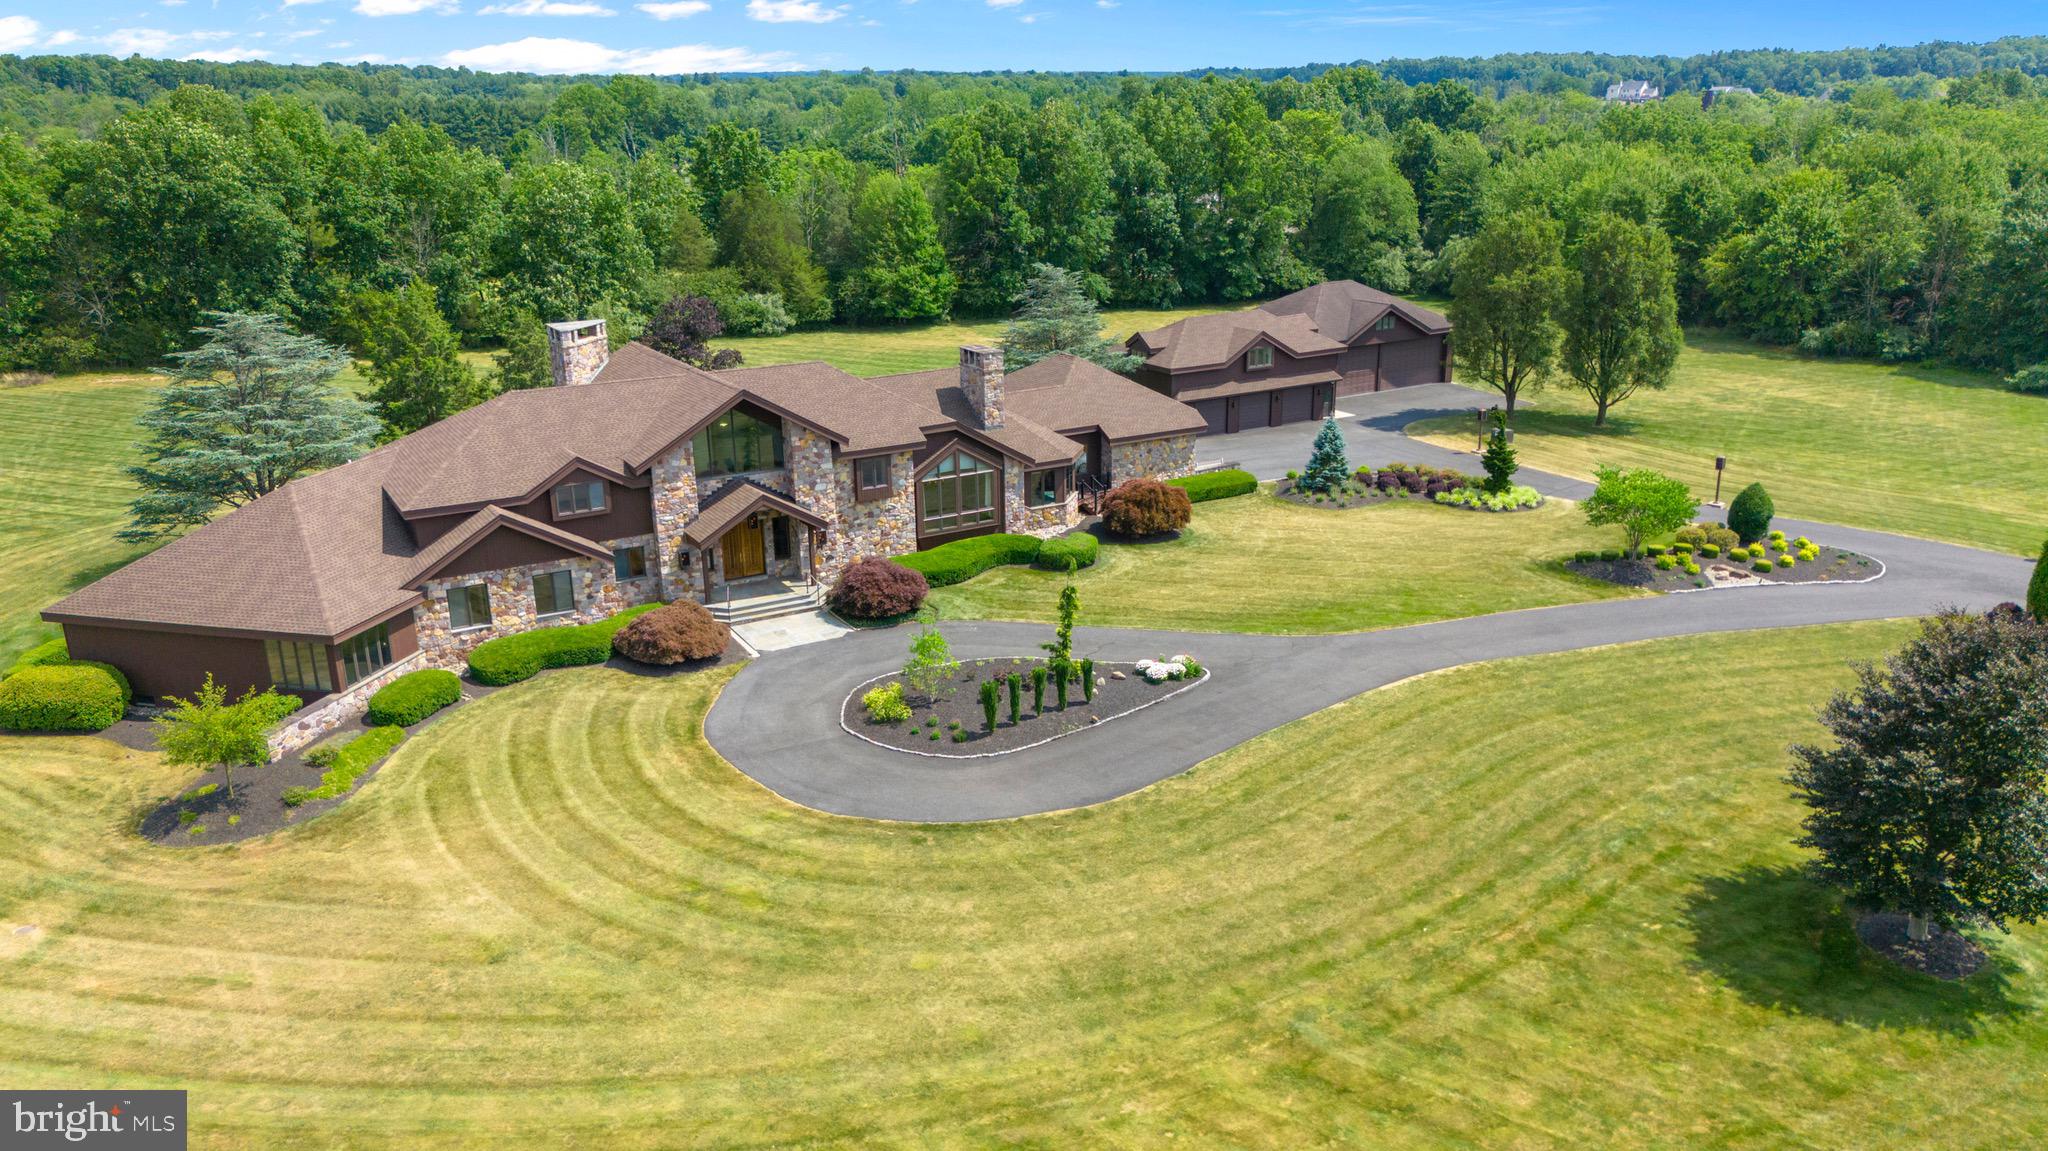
x,y
1720,466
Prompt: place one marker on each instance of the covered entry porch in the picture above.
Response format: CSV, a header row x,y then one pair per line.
x,y
751,537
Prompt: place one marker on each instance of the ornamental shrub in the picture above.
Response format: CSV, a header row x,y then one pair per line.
x,y
1785,561
875,588
1143,507
1761,565
1078,551
1499,457
2037,588
1694,534
1750,512
1724,539
1692,568
1016,698
1739,555
71,696
1666,563
885,704
1327,466
1586,556
1219,485
509,659
347,764
1038,690
962,560
1709,551
1611,555
682,632
47,652
1088,680
413,697
1654,550
991,698
1062,672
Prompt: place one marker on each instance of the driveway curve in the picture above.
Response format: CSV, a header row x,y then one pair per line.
x,y
778,721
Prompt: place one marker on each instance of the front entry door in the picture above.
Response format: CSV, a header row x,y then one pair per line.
x,y
1230,421
744,555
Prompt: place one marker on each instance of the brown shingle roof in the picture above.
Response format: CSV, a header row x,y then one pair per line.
x,y
938,393
1341,309
1214,340
733,501
1070,393
863,417
472,531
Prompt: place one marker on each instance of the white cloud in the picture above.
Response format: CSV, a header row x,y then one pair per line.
x,y
60,38
227,55
296,3
1028,18
403,7
546,8
171,3
674,9
1004,3
139,41
1106,4
555,54
18,32
796,11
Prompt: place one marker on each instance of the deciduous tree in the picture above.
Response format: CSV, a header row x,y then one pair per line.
x,y
683,326
412,359
1641,502
899,268
207,731
1620,315
1510,282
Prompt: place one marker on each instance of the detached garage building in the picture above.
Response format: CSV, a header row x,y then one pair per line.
x,y
1289,360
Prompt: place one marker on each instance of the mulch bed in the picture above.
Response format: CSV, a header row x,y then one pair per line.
x,y
1944,955
1833,566
930,729
259,808
1351,495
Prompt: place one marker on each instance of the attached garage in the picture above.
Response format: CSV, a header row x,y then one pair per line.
x,y
1407,362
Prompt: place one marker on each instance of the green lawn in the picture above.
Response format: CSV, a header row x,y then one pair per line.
x,y
1931,452
1260,564
1542,903
63,494
885,351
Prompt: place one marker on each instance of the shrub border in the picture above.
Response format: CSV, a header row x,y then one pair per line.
x,y
1188,685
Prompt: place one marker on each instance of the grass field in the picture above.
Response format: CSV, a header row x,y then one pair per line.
x,y
1260,564
884,351
1541,903
1930,452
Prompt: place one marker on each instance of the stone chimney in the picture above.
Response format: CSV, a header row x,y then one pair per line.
x,y
981,378
578,350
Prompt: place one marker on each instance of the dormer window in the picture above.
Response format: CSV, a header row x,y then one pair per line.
x,y
1259,358
1386,323
579,499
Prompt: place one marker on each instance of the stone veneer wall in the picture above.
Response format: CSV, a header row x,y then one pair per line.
x,y
674,494
1163,458
308,724
883,527
598,595
1045,522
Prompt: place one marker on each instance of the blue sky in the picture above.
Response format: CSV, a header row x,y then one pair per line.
x,y
667,36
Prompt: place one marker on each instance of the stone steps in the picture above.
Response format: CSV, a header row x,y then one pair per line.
x,y
758,607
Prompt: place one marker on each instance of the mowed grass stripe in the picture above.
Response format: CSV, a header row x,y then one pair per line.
x,y
1500,946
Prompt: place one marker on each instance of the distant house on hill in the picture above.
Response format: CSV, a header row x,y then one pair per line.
x,y
1633,92
1708,97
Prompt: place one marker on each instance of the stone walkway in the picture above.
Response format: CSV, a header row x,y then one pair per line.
x,y
778,721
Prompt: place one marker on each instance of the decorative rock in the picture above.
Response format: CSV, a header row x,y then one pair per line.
x,y
1117,675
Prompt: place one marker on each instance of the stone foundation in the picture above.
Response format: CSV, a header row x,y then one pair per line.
x,y
306,726
1163,458
1044,522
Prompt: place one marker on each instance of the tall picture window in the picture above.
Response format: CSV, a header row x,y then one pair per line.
x,y
958,492
738,442
1042,488
469,606
366,653
301,666
553,593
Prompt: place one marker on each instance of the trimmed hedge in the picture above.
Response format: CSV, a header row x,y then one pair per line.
x,y
78,696
1217,485
347,764
413,697
1080,547
962,560
509,659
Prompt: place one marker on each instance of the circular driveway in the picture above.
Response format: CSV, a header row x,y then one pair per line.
x,y
778,721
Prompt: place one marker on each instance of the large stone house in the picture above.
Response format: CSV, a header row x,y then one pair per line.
x,y
636,478
1289,360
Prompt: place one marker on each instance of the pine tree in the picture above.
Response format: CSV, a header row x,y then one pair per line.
x,y
412,359
245,413
1056,315
1499,458
1327,466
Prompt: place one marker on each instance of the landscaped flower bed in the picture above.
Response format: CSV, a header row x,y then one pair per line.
x,y
955,722
1724,562
1367,486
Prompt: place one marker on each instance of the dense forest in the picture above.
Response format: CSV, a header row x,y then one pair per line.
x,y
1889,201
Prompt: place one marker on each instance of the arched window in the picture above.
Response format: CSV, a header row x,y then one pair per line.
x,y
958,492
738,442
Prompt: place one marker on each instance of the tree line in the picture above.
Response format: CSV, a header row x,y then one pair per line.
x,y
1869,223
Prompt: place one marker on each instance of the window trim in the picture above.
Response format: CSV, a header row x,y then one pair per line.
x,y
928,475
778,460
1251,358
864,492
534,583
1384,323
316,656
448,598
1058,486
600,505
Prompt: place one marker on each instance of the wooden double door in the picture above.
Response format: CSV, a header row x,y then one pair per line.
x,y
742,555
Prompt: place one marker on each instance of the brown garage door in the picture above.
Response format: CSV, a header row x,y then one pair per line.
x,y
1298,404
1254,410
1411,362
1213,411
1354,382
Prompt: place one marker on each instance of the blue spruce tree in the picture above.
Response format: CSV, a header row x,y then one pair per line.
x,y
1327,468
